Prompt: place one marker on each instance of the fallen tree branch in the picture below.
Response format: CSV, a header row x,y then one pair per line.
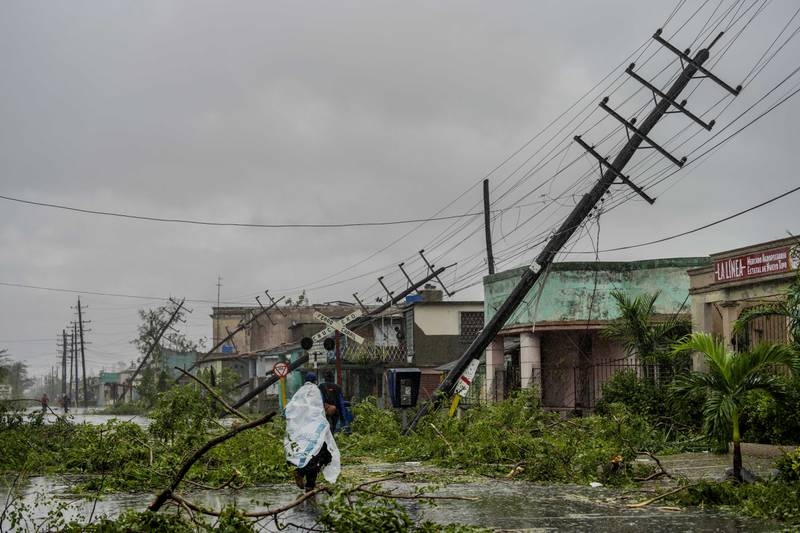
x,y
255,514
415,496
216,396
450,446
165,494
658,473
659,497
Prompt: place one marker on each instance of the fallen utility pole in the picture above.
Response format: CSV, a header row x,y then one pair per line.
x,y
636,135
239,328
152,347
355,323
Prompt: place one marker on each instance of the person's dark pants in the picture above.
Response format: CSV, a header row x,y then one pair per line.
x,y
333,420
312,468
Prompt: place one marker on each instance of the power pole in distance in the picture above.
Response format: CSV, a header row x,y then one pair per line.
x,y
487,227
74,363
63,362
83,355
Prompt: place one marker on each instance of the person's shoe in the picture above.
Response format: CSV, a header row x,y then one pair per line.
x,y
299,480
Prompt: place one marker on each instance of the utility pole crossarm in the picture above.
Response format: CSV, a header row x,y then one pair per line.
x,y
641,133
430,267
604,162
697,64
681,106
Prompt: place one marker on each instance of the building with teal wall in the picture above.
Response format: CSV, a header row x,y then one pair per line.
x,y
552,340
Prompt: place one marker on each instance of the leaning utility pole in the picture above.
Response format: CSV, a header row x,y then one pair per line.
x,y
574,220
153,346
83,355
239,328
358,322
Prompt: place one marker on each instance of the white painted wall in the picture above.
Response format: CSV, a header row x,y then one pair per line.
x,y
442,319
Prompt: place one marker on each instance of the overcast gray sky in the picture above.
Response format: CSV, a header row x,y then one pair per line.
x,y
345,112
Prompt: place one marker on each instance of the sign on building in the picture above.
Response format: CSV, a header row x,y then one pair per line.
x,y
753,265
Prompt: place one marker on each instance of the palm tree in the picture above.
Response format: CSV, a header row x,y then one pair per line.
x,y
640,332
730,376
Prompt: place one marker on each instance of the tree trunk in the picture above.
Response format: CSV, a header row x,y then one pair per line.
x,y
737,451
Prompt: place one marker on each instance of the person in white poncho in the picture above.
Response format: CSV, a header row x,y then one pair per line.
x,y
309,443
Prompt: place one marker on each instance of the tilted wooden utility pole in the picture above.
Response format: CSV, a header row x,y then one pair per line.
x,y
613,170
153,346
353,324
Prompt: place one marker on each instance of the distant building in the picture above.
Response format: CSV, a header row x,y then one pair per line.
x,y
437,332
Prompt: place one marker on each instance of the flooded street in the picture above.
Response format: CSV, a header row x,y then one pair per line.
x,y
80,415
495,504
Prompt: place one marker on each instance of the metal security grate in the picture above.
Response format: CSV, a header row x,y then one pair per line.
x,y
471,325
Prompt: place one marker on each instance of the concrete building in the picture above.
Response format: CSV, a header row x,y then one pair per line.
x,y
437,332
553,341
735,280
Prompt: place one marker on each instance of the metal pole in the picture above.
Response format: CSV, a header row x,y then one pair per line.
x,y
337,337
564,233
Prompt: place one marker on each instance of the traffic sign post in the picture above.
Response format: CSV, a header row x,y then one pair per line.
x,y
281,370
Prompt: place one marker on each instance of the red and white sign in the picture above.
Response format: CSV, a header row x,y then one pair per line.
x,y
465,379
281,369
763,263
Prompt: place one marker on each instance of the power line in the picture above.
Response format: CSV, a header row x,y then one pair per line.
x,y
233,224
98,293
695,230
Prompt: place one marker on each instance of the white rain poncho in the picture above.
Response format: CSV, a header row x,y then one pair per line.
x,y
307,429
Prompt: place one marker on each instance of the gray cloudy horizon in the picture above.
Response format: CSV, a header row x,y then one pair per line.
x,y
270,113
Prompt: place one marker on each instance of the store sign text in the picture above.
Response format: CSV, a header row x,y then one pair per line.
x,y
748,266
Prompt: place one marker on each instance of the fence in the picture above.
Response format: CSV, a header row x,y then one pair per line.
x,y
367,353
580,386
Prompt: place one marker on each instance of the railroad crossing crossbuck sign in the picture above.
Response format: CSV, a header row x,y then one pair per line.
x,y
337,325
